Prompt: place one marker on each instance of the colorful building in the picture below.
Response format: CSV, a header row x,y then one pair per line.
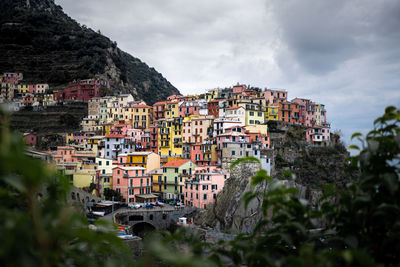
x,y
202,187
133,183
174,173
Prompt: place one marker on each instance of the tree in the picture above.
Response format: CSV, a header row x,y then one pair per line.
x,y
110,193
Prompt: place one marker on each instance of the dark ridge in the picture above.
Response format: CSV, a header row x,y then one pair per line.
x,y
46,45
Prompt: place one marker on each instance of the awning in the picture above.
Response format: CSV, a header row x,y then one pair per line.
x,y
147,196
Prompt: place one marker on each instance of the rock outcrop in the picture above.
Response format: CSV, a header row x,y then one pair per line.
x,y
229,212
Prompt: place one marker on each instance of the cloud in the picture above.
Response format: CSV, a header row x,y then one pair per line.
x,y
344,54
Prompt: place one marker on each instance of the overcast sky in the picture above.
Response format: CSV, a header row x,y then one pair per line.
x,y
344,54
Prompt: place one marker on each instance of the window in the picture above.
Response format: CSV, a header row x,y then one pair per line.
x,y
117,181
176,170
233,152
108,163
205,196
99,162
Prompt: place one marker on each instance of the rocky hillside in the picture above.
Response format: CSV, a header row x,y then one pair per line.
x,y
41,41
54,119
312,166
229,214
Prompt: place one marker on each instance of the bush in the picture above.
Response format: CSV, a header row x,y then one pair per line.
x,y
38,227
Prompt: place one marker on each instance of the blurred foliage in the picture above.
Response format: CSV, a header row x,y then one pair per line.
x,y
38,228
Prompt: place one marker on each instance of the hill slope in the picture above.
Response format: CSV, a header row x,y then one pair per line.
x,y
41,41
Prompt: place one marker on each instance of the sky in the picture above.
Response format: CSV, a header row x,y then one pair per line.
x,y
343,53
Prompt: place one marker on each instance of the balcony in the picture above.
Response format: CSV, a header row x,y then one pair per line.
x,y
177,140
165,145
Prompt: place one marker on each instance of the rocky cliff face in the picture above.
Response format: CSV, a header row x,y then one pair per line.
x,y
229,212
41,41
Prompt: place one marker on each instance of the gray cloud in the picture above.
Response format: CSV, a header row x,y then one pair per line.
x,y
344,54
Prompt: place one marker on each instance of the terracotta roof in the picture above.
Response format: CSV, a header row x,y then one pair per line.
x,y
142,106
115,136
160,103
174,163
232,108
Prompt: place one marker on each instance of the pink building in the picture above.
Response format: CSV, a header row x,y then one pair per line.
x,y
12,77
172,97
239,88
133,183
196,153
64,154
274,96
318,136
135,135
188,108
308,109
81,137
31,88
30,139
121,160
204,185
121,128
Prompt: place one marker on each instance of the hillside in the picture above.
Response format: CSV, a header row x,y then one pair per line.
x,y
46,45
54,119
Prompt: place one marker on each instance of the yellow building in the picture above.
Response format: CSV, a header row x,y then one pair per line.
x,y
170,138
157,182
148,160
211,94
272,113
105,167
92,143
83,178
172,109
23,88
106,128
140,116
254,117
48,99
69,138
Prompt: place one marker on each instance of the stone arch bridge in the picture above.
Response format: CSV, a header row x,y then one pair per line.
x,y
143,219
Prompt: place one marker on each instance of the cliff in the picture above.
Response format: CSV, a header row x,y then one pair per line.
x,y
46,45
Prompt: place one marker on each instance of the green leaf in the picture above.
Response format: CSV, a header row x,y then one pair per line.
x,y
353,147
355,135
16,182
245,159
260,176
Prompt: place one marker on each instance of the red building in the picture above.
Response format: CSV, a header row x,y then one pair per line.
x,y
81,90
153,138
213,108
159,110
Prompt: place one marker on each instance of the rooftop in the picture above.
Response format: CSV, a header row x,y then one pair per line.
x,y
175,163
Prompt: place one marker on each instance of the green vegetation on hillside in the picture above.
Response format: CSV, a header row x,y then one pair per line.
x,y
46,45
